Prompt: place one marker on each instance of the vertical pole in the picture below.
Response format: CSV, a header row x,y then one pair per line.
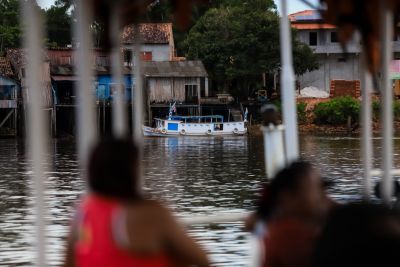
x,y
55,121
37,128
119,114
287,89
387,101
104,116
366,138
15,122
133,84
206,86
85,114
198,95
138,101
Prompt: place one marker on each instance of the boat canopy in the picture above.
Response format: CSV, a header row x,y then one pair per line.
x,y
216,118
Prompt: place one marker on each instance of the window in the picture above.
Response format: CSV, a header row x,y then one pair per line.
x,y
191,92
102,61
128,57
313,37
101,92
334,37
146,56
65,60
342,59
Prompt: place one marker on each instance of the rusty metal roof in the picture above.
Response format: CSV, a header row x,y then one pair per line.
x,y
150,33
5,67
18,57
184,68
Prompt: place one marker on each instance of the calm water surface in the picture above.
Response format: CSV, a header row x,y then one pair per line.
x,y
191,175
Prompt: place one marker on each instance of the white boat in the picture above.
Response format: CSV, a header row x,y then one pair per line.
x,y
195,126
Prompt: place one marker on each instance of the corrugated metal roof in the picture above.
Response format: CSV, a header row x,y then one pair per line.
x,y
150,33
185,68
17,57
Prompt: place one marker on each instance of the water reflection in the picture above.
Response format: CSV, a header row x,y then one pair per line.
x,y
192,175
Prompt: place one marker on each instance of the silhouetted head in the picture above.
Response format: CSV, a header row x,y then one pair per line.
x,y
296,189
360,235
113,168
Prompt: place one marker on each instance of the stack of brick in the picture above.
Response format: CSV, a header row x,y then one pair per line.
x,y
345,88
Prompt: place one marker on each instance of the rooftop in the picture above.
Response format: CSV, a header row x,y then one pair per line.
x,y
185,68
17,57
5,67
150,33
309,20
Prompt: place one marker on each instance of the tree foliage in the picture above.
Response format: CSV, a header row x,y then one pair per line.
x,y
10,29
239,41
58,23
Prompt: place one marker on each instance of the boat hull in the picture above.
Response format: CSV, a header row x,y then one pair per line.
x,y
176,128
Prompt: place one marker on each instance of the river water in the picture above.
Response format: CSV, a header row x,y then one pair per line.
x,y
191,175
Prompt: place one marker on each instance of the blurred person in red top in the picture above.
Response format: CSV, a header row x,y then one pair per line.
x,y
116,226
292,208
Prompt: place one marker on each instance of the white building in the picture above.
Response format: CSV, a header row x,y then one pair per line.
x,y
157,42
335,63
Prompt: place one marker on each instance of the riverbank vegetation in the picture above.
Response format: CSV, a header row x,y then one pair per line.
x,y
340,115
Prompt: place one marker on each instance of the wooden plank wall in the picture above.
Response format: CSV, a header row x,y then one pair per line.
x,y
164,90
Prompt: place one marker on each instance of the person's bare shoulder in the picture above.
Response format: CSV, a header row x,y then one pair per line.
x,y
151,208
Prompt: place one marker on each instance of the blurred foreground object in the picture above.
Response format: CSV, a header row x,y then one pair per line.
x,y
132,10
360,235
115,225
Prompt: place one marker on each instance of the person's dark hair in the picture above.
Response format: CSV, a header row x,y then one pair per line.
x,y
288,179
359,235
112,169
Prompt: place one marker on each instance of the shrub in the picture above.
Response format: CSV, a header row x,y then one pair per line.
x,y
337,110
376,110
396,110
301,112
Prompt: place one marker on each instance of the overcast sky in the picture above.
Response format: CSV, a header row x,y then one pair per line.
x,y
293,5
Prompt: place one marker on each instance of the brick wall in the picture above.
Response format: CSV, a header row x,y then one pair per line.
x,y
345,88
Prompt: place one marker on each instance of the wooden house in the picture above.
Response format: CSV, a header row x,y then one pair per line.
x,y
9,89
183,82
17,58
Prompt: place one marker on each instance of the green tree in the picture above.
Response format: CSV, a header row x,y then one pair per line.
x,y
239,41
10,28
58,23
